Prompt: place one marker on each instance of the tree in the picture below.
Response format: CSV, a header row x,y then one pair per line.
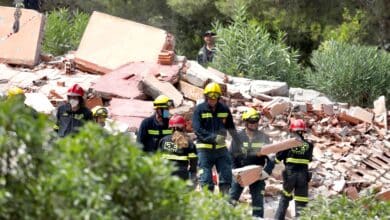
x,y
245,48
350,73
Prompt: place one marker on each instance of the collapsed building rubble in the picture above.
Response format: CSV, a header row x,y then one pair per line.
x,y
352,147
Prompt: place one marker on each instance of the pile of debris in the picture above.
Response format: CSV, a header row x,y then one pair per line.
x,y
127,67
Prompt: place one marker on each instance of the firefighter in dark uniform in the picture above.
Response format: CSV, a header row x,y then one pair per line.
x,y
179,149
211,121
73,114
252,140
155,127
296,175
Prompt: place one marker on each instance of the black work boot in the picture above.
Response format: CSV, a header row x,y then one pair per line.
x,y
282,208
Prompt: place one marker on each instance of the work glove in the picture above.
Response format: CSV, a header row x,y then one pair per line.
x,y
220,139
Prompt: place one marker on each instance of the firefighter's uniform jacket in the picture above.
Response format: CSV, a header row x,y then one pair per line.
x,y
185,159
244,155
207,124
151,132
68,121
295,176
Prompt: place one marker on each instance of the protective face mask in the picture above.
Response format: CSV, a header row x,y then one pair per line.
x,y
165,113
73,102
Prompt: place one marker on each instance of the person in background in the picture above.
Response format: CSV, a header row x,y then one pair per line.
x,y
206,53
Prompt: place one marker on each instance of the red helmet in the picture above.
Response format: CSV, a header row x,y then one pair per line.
x,y
75,90
177,121
297,125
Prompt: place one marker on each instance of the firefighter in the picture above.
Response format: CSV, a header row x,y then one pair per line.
x,y
211,121
252,140
155,127
100,115
296,175
73,114
179,148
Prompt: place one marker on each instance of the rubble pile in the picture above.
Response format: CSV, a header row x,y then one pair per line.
x,y
136,63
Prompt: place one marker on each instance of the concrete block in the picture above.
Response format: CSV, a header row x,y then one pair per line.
x,y
247,175
189,91
110,42
153,87
280,146
343,116
23,47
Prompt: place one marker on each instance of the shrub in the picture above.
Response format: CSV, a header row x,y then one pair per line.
x,y
343,208
64,30
350,73
92,175
245,48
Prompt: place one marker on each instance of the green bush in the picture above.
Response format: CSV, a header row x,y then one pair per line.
x,y
343,208
92,175
246,49
64,30
350,73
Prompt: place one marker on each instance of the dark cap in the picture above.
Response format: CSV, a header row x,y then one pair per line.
x,y
209,33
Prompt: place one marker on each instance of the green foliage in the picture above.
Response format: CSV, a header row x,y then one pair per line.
x,y
92,175
344,209
64,30
350,73
351,30
247,49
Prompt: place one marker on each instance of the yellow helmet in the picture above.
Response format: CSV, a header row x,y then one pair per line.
x,y
212,90
251,114
14,91
99,111
162,101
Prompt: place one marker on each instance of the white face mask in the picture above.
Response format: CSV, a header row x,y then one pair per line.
x,y
73,102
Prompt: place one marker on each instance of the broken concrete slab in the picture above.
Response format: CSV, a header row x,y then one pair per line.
x,y
110,42
273,88
189,91
197,75
153,87
275,107
122,82
361,114
23,47
39,102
